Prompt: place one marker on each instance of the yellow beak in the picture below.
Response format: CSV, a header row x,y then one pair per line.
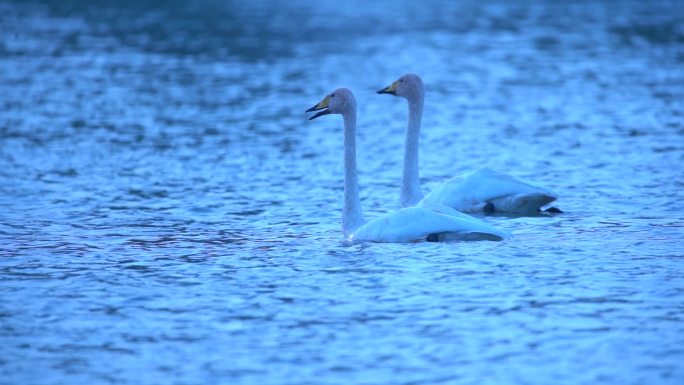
x,y
392,89
323,105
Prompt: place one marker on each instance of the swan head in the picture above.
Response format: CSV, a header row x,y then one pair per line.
x,y
340,101
408,86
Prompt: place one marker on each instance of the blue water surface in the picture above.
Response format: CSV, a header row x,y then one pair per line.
x,y
169,216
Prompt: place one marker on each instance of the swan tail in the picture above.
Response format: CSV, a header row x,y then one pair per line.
x,y
525,204
467,236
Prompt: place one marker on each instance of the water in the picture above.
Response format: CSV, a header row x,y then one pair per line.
x,y
168,214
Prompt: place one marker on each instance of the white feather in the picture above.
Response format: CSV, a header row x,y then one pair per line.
x,y
469,193
405,225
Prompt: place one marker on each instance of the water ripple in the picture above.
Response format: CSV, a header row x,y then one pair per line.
x,y
165,207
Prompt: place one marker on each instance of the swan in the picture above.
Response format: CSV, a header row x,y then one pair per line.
x,y
412,224
483,191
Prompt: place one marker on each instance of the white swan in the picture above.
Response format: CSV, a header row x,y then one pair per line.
x,y
404,225
485,190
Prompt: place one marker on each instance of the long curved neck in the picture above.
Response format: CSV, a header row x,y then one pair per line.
x,y
352,215
410,179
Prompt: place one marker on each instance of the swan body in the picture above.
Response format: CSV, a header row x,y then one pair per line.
x,y
482,191
412,224
503,193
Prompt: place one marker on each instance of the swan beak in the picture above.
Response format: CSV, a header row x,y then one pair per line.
x,y
323,105
392,90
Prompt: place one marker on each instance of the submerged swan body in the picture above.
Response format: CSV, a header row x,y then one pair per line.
x,y
485,190
404,225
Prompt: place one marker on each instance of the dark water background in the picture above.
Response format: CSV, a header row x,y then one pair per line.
x,y
168,215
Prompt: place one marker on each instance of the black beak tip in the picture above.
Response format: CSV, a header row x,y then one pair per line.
x,y
320,113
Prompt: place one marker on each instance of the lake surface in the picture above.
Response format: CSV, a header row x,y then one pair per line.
x,y
169,216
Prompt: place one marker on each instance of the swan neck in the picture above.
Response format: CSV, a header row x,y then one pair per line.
x,y
352,215
410,181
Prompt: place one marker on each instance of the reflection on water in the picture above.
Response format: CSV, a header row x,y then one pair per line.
x,y
168,215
